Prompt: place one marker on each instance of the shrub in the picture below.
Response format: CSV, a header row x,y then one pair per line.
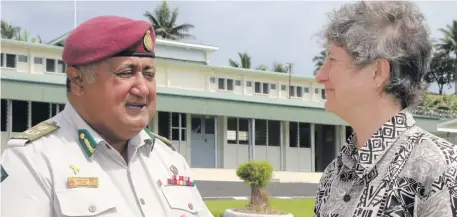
x,y
257,174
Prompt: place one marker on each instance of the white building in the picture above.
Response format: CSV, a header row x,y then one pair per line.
x,y
217,116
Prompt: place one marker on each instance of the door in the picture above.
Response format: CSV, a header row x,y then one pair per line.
x,y
203,142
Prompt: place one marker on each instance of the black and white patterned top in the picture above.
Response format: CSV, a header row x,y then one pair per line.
x,y
402,171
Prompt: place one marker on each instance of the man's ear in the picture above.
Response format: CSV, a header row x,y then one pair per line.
x,y
382,73
76,80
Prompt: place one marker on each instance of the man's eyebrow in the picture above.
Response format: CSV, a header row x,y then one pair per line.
x,y
149,66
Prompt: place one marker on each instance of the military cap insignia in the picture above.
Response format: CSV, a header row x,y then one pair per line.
x,y
147,41
4,174
36,132
87,142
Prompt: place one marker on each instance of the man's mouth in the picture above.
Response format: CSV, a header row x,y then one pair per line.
x,y
135,105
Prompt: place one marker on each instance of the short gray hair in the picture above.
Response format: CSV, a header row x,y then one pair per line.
x,y
87,71
392,30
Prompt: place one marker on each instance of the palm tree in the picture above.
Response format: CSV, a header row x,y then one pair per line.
x,y
9,31
319,61
165,25
442,70
448,44
245,61
262,67
279,67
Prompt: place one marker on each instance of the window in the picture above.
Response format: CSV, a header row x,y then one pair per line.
x,y
323,94
257,87
262,88
38,60
20,116
296,91
40,112
61,66
299,91
260,132
248,83
4,116
50,65
273,86
237,131
8,60
178,125
267,132
229,84
237,83
316,90
172,125
274,133
212,80
306,90
292,91
266,88
225,84
283,87
22,58
300,135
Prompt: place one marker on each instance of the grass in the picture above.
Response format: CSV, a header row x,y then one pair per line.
x,y
298,207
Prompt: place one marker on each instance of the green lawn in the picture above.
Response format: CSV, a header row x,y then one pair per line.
x,y
298,207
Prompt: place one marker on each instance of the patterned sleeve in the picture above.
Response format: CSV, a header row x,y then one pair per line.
x,y
443,197
450,178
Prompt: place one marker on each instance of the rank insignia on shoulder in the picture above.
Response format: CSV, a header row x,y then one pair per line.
x,y
34,133
4,174
181,181
161,138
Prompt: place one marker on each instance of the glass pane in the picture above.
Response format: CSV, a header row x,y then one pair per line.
x,y
196,125
209,125
229,84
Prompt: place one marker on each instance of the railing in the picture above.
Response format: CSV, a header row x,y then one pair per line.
x,y
437,113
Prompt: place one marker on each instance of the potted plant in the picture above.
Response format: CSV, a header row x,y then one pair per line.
x,y
257,174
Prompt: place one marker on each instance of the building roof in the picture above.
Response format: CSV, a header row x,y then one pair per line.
x,y
169,61
207,48
448,126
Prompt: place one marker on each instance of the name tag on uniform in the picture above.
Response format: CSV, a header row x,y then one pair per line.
x,y
82,182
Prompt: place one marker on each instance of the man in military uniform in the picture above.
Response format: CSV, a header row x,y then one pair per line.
x,y
96,158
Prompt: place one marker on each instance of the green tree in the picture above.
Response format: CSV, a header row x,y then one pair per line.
x,y
448,43
164,22
245,61
319,60
442,70
279,67
9,31
262,67
257,174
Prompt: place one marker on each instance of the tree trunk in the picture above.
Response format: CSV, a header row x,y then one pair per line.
x,y
259,199
455,76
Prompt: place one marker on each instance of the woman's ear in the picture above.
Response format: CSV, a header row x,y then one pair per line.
x,y
382,73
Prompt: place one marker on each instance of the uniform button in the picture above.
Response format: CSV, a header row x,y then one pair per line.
x,y
347,198
92,208
191,207
142,201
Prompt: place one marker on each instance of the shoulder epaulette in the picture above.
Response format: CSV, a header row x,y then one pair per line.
x,y
33,134
161,138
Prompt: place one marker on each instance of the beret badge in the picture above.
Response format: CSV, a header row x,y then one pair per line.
x,y
147,41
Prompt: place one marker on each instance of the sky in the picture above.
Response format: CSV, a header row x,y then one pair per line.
x,y
281,31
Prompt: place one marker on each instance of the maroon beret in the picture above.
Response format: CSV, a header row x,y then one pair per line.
x,y
108,36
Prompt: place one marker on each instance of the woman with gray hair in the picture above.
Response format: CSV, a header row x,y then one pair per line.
x,y
378,55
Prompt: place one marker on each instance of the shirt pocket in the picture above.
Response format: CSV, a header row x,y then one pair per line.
x,y
85,202
181,199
